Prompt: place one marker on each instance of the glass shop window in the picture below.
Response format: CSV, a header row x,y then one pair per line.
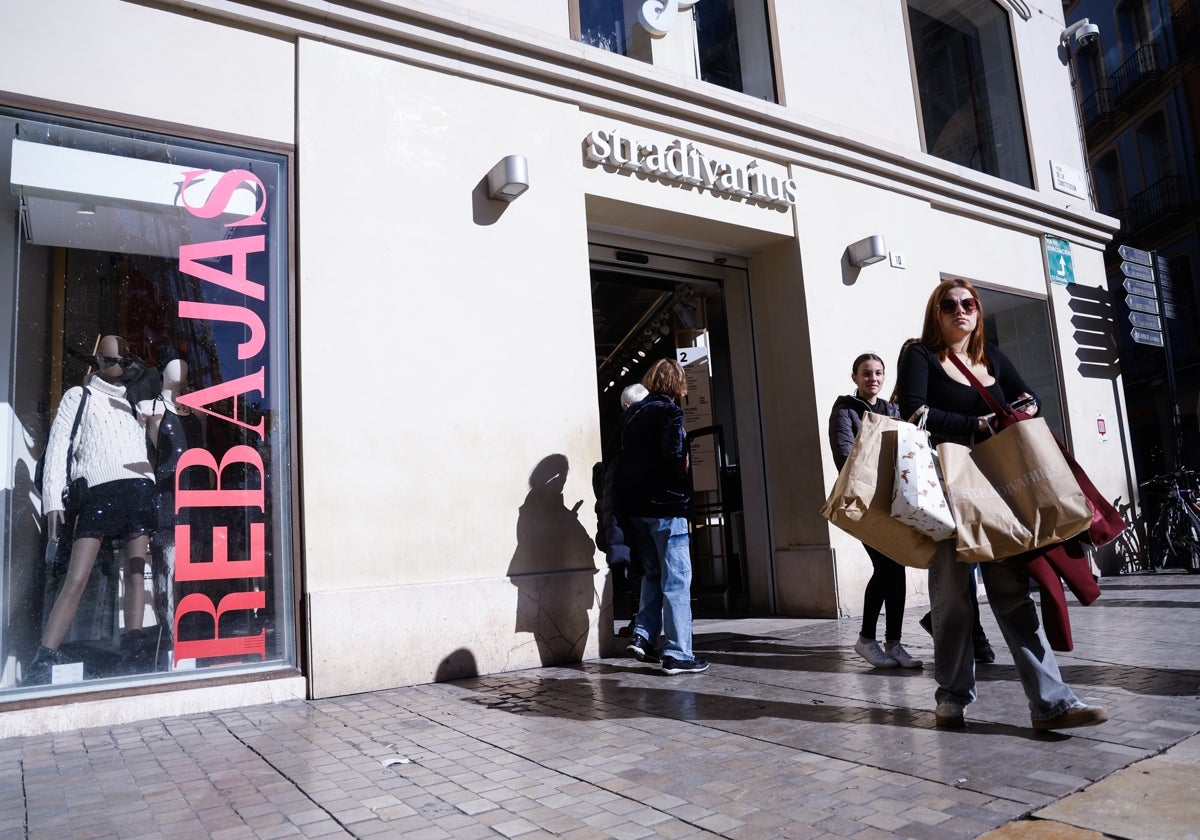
x,y
725,42
967,88
1020,326
147,534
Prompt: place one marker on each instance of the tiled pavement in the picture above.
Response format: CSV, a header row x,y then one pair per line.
x,y
789,735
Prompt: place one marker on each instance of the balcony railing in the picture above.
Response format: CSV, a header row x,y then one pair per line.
x,y
1140,69
1097,109
1155,203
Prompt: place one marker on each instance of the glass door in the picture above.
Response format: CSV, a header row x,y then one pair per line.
x,y
648,307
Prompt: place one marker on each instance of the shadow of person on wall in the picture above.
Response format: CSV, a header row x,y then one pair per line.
x,y
551,541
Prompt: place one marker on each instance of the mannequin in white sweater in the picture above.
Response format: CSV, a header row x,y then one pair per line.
x,y
109,452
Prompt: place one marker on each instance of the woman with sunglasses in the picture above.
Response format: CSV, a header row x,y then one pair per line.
x,y
887,588
957,413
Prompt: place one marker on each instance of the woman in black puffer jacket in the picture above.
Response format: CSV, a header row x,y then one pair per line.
x,y
888,585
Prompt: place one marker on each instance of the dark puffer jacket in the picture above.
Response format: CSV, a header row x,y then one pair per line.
x,y
846,419
652,472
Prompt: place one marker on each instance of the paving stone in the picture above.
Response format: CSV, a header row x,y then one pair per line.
x,y
786,736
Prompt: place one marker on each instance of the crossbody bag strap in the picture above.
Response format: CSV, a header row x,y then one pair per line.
x,y
74,429
983,392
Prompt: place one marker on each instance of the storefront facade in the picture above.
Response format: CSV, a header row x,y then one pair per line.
x,y
405,370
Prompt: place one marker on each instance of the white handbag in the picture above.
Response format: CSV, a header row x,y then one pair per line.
x,y
918,498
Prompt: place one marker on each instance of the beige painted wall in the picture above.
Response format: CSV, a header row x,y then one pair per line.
x,y
444,336
130,59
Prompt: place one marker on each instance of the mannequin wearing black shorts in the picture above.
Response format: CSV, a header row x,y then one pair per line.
x,y
110,451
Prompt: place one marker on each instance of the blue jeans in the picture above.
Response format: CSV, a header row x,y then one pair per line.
x,y
666,605
1007,586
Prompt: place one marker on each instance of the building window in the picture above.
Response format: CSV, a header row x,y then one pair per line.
x,y
1020,326
967,87
1110,191
150,376
731,40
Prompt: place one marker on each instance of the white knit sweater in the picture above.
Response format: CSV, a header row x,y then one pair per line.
x,y
110,444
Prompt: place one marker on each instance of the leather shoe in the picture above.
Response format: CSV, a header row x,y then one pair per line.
x,y
983,651
1080,714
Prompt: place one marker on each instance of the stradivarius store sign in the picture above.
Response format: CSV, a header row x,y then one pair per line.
x,y
684,162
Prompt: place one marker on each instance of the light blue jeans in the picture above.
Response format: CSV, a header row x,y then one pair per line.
x,y
666,605
1007,587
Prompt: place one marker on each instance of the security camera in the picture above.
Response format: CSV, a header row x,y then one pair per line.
x,y
1087,35
1084,32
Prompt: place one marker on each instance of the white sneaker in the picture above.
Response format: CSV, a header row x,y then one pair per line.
x,y
897,652
870,650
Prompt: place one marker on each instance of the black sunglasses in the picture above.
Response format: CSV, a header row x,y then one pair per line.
x,y
950,305
109,361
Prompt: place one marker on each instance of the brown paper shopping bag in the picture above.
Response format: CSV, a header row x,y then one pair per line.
x,y
1012,493
861,501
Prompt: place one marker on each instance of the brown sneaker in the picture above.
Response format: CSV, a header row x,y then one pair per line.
x,y
1080,714
949,715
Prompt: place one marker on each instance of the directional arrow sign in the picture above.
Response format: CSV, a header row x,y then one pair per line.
x,y
1137,287
1142,319
1142,304
1137,272
1134,255
1150,337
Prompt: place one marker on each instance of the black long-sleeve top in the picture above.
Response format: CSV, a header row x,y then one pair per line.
x,y
954,408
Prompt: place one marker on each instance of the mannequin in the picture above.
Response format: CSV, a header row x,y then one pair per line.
x,y
118,502
171,429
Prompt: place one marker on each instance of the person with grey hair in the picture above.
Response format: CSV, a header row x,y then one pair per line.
x,y
634,393
625,565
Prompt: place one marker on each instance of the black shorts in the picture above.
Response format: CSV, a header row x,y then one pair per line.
x,y
123,508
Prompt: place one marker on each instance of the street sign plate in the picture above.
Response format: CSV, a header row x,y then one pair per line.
x,y
1142,304
1152,338
1137,287
1166,290
1163,266
1169,311
1058,261
1137,272
1143,319
1134,255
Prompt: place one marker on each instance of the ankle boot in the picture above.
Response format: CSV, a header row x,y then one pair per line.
x,y
983,649
40,667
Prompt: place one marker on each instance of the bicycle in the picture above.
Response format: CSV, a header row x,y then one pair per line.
x,y
1174,537
1130,546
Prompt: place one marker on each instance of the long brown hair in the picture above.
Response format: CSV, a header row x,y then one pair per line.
x,y
931,333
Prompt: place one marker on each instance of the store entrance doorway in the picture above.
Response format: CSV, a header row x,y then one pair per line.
x,y
648,306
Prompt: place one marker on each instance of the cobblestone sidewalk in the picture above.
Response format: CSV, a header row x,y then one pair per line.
x,y
789,735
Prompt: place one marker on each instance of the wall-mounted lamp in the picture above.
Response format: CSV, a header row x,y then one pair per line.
x,y
867,251
1083,31
508,178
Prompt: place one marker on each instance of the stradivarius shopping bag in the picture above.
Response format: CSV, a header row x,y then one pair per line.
x,y
1012,493
918,499
861,501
